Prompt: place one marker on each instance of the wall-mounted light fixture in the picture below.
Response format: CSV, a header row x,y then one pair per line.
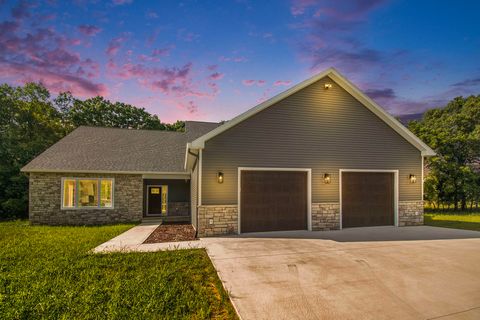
x,y
328,86
412,178
220,177
326,178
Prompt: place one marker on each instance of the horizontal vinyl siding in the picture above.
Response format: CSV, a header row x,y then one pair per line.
x,y
325,130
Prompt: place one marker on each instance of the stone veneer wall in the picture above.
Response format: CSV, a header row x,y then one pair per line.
x,y
325,216
224,218
45,197
410,213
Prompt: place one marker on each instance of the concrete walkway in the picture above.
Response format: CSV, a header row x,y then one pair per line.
x,y
132,241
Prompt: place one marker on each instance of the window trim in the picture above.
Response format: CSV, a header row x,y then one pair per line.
x,y
77,179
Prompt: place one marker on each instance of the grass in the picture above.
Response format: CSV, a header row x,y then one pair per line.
x,y
48,273
468,220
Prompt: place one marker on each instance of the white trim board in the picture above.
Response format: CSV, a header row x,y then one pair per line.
x,y
395,190
106,172
309,190
199,143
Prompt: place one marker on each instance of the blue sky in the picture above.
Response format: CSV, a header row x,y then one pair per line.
x,y
210,60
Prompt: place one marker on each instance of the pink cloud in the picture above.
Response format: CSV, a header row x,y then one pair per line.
x,y
251,82
299,6
161,52
44,56
233,59
21,10
114,45
282,83
216,76
121,2
56,82
89,30
171,81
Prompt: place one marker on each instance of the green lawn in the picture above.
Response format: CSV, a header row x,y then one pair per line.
x,y
48,272
459,220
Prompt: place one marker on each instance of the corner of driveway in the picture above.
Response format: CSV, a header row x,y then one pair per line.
x,y
358,273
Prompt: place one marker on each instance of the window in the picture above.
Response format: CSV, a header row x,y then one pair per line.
x,y
87,193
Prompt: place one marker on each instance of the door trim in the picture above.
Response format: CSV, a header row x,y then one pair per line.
x,y
148,195
309,190
395,190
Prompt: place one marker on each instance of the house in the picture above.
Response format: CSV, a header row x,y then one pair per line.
x,y
319,156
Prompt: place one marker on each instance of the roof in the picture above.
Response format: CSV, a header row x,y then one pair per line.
x,y
199,143
98,149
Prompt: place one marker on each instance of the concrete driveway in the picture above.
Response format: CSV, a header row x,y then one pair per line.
x,y
359,273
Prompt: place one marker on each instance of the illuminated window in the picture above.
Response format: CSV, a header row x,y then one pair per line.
x,y
106,193
68,193
87,193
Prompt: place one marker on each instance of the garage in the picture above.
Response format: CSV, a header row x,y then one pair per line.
x,y
273,200
367,199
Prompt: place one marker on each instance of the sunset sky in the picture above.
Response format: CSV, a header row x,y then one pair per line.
x,y
211,60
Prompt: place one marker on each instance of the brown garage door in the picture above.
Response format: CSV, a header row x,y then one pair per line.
x,y
367,199
273,201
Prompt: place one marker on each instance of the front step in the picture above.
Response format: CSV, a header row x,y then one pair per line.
x,y
159,220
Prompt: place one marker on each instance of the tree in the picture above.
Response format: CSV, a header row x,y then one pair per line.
x,y
30,122
103,113
454,133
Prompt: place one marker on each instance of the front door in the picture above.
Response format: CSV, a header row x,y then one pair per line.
x,y
157,200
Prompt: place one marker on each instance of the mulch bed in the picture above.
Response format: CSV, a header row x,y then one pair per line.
x,y
171,233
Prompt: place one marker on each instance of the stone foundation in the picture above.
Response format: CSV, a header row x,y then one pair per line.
x,y
410,213
217,220
45,197
325,216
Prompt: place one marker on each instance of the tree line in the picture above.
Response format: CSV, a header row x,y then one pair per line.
x,y
31,121
453,179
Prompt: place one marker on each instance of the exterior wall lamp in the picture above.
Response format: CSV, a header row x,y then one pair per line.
x,y
328,86
326,178
220,177
413,178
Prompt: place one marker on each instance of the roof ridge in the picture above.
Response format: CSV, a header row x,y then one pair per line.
x,y
128,129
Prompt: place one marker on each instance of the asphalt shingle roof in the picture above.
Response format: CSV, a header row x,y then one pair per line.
x,y
120,150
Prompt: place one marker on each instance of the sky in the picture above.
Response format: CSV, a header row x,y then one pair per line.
x,y
211,60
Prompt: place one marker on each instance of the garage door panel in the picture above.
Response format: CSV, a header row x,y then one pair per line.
x,y
273,201
367,199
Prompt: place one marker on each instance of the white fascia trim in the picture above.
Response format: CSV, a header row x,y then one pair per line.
x,y
187,147
105,172
345,84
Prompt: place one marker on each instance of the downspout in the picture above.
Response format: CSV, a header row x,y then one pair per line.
x,y
196,156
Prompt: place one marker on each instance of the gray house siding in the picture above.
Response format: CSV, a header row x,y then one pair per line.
x,y
325,130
